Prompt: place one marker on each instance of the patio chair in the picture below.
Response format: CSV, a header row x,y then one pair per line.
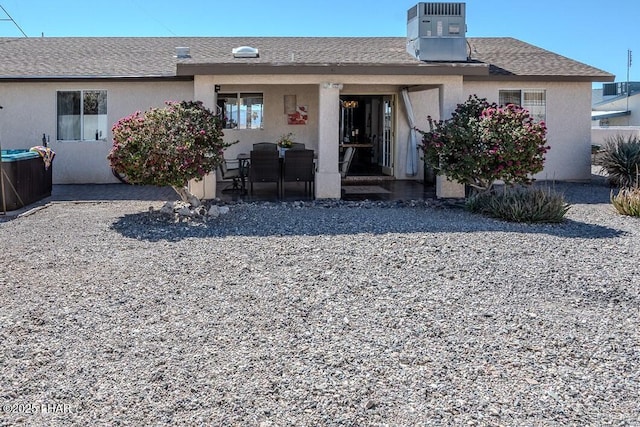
x,y
299,167
265,167
298,146
345,163
232,173
268,146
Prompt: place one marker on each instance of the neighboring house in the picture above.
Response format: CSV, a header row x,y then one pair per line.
x,y
352,90
615,111
617,104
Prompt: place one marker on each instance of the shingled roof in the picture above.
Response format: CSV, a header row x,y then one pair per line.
x,y
147,57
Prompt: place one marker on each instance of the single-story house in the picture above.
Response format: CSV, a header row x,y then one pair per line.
x,y
327,91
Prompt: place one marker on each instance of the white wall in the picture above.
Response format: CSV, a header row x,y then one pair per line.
x,y
30,111
274,120
568,125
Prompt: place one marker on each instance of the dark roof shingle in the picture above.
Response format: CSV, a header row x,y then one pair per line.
x,y
112,57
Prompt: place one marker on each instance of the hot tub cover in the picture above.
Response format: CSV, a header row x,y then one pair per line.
x,y
46,153
15,155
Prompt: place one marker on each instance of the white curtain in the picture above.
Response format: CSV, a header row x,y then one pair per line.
x,y
412,143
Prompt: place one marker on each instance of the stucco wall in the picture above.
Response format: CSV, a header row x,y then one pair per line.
x,y
274,119
568,122
30,111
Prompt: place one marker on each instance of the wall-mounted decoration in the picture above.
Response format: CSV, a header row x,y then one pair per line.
x,y
299,117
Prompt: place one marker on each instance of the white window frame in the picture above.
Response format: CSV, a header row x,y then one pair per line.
x,y
101,126
539,114
237,111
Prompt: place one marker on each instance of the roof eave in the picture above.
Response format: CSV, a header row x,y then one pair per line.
x,y
600,115
465,69
151,77
543,78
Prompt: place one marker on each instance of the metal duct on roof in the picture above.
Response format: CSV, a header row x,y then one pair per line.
x,y
183,52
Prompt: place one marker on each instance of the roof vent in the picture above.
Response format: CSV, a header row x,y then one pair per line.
x,y
436,32
245,52
183,52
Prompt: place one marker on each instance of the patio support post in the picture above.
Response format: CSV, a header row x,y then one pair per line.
x,y
450,96
327,185
205,189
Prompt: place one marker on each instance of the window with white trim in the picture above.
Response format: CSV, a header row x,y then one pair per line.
x,y
533,100
242,110
82,115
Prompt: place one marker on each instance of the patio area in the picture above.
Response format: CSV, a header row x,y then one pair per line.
x,y
358,188
353,190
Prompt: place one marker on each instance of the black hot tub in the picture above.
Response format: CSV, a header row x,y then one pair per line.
x,y
26,180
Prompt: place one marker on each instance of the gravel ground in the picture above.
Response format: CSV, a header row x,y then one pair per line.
x,y
345,314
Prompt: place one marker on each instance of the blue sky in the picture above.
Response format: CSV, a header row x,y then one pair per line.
x,y
591,31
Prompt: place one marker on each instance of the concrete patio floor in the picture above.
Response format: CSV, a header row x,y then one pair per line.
x,y
353,190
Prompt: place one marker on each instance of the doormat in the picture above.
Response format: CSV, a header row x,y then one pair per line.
x,y
365,189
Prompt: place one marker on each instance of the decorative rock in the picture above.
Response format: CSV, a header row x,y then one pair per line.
x,y
185,211
167,208
247,312
194,201
214,211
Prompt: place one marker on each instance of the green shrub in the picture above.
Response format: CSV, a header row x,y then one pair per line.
x,y
483,142
168,146
524,204
627,201
621,160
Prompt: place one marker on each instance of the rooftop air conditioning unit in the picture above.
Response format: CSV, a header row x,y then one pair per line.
x,y
436,32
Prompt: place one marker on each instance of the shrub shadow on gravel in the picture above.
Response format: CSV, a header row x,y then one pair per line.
x,y
586,193
257,220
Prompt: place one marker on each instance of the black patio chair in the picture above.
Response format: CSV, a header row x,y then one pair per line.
x,y
230,169
265,167
298,146
299,167
268,146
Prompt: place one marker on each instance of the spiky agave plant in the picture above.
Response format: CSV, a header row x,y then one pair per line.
x,y
621,160
627,201
521,204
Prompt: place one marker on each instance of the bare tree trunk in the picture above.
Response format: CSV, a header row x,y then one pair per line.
x,y
186,195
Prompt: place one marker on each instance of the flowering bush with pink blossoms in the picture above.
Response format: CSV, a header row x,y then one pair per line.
x,y
483,142
168,146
